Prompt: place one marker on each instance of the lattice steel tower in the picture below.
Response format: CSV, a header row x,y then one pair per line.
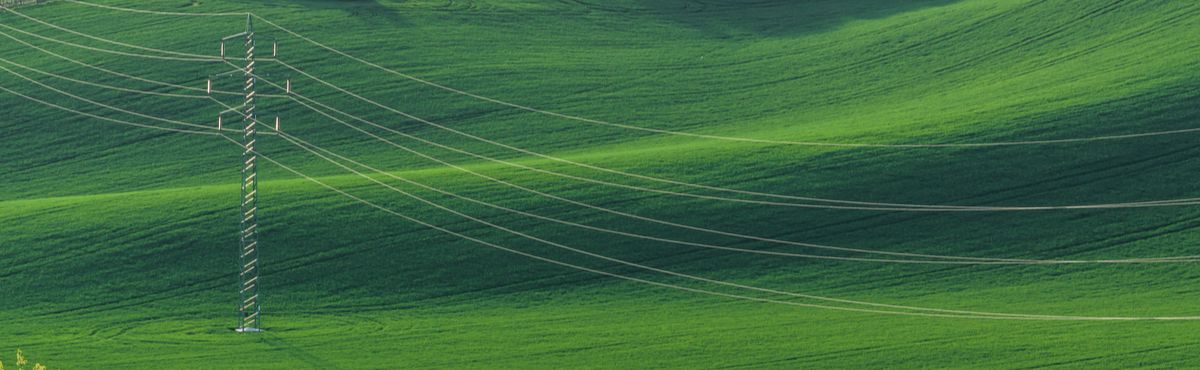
x,y
249,309
249,305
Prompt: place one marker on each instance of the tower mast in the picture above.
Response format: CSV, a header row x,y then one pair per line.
x,y
249,307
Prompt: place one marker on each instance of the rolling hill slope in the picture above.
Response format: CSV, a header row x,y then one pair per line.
x,y
783,184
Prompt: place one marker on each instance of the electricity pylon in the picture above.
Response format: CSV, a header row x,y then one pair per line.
x,y
249,307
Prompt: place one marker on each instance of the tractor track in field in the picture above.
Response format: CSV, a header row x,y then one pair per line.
x,y
1153,28
92,155
120,238
1109,356
308,358
125,331
855,352
616,86
1044,36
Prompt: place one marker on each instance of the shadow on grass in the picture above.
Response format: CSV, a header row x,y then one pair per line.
x,y
762,17
363,9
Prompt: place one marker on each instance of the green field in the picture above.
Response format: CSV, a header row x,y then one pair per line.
x,y
118,244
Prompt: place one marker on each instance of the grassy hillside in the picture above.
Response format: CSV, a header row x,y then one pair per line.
x,y
119,243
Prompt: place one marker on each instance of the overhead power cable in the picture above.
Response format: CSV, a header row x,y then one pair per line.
x,y
683,226
626,126
107,51
952,259
131,10
311,148
921,311
874,206
131,46
93,102
849,205
787,242
544,259
103,86
59,107
714,137
115,73
977,314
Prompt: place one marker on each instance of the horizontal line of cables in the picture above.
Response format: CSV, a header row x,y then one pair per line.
x,y
877,307
639,128
965,260
836,203
951,259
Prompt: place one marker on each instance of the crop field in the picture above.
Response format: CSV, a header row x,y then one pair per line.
x,y
604,184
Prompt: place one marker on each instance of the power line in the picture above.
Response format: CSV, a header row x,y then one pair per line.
x,y
733,234
660,131
56,106
103,86
705,136
641,217
147,116
913,207
307,146
131,46
877,206
249,306
1014,316
965,260
962,260
853,205
233,14
112,72
689,227
624,277
101,50
926,313
694,277
132,77
454,233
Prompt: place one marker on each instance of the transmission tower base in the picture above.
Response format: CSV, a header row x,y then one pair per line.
x,y
248,330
